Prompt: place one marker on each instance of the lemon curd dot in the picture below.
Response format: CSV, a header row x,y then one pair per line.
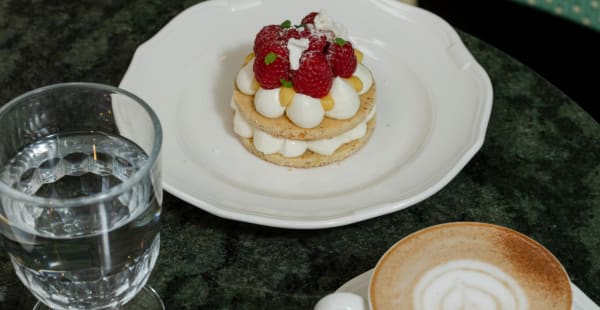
x,y
327,102
248,58
359,56
286,94
355,82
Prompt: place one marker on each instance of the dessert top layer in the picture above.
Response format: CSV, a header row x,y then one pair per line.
x,y
307,56
306,72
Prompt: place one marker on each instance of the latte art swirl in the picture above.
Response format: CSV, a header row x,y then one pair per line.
x,y
468,285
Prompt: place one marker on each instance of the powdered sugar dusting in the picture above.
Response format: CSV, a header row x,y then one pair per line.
x,y
296,47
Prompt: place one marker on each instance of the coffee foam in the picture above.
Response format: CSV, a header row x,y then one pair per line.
x,y
468,284
469,266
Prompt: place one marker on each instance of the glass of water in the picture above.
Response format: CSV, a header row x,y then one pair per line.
x,y
80,195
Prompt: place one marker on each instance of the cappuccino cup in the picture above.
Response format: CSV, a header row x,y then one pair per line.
x,y
463,265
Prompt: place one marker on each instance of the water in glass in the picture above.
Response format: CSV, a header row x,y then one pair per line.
x,y
92,257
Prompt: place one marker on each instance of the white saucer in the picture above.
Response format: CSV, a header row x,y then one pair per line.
x,y
433,105
359,285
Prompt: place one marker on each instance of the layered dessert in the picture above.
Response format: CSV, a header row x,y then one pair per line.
x,y
303,97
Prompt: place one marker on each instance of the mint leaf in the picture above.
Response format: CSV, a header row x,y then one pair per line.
x,y
286,24
340,41
286,83
300,26
270,58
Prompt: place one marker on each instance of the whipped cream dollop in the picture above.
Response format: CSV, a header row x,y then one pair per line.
x,y
269,144
468,285
305,111
364,75
346,100
266,102
295,48
245,78
324,22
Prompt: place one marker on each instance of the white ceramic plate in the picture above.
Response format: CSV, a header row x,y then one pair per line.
x,y
433,106
359,285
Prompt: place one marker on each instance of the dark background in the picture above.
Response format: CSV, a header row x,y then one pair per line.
x,y
563,52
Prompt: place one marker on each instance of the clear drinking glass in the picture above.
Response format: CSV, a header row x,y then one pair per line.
x,y
80,195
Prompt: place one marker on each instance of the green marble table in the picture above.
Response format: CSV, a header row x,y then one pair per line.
x,y
538,172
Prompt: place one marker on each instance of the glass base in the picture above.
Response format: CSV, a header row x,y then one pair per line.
x,y
146,299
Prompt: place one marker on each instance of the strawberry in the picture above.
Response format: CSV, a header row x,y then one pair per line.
x,y
342,58
314,77
266,35
310,18
271,64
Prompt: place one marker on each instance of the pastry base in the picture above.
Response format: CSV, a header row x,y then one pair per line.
x,y
311,159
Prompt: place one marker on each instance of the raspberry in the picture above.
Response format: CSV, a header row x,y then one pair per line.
x,y
271,64
318,41
314,77
266,35
291,34
310,18
342,58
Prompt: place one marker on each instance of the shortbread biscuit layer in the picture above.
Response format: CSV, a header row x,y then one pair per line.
x,y
311,159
